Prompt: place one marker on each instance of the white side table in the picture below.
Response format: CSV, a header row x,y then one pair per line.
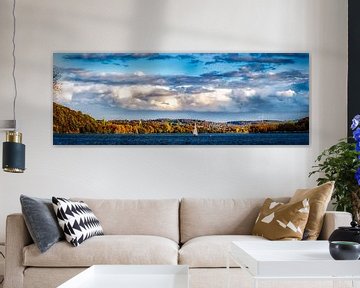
x,y
294,260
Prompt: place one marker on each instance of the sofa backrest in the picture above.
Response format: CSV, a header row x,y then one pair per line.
x,y
158,217
200,217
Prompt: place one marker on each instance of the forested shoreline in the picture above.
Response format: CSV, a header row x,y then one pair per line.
x,y
68,121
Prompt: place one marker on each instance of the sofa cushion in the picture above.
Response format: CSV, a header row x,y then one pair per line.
x,y
279,221
319,198
211,251
200,217
76,220
41,221
107,249
158,217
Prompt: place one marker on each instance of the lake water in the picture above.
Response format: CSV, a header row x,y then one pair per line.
x,y
182,139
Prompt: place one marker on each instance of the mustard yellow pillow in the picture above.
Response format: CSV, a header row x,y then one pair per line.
x,y
319,198
279,221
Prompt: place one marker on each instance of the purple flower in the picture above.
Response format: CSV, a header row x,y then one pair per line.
x,y
356,134
357,147
357,176
355,122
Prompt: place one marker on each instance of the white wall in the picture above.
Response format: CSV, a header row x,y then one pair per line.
x,y
44,27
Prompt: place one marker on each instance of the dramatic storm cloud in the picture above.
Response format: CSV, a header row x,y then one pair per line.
x,y
210,86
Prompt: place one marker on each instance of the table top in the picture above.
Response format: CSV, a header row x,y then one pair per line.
x,y
131,276
291,259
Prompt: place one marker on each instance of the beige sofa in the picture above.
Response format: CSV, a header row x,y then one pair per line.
x,y
194,232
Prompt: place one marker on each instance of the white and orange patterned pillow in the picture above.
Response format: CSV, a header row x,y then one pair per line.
x,y
319,198
279,221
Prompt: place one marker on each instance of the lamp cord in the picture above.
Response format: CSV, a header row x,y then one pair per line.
x,y
2,280
14,60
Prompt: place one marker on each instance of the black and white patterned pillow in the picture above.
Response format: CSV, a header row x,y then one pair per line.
x,y
77,220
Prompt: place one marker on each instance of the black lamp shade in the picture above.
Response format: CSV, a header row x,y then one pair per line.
x,y
13,157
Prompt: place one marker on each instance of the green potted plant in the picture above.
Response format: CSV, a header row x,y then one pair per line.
x,y
341,163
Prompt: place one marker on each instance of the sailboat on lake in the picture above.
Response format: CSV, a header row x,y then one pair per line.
x,y
195,131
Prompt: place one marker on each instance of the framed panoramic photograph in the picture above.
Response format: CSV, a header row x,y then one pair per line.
x,y
180,98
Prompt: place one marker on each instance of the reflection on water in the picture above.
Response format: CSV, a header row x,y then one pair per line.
x,y
183,139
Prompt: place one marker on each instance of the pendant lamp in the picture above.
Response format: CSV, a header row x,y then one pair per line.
x,y
13,159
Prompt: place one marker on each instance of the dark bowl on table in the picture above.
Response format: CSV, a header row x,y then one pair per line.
x,y
344,250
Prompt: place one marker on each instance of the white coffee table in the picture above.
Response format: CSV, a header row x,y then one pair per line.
x,y
285,260
131,276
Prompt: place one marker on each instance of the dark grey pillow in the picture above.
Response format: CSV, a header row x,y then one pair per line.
x,y
41,221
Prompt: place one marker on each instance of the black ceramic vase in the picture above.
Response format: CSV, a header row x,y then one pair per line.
x,y
344,250
351,234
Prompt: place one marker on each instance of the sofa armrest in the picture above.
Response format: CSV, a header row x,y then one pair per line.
x,y
333,220
17,237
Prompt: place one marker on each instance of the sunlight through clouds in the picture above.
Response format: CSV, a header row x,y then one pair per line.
x,y
210,84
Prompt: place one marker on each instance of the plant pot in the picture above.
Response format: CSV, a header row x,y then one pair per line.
x,y
350,234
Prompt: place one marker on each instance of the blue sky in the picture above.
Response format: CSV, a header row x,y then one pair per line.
x,y
207,86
